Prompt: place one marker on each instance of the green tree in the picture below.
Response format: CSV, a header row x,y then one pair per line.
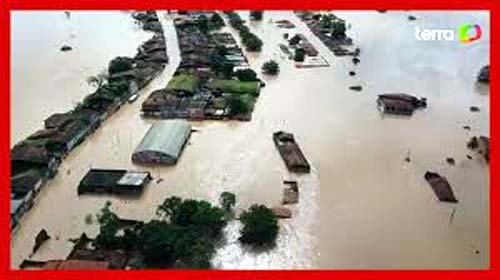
x,y
216,21
338,29
108,227
198,215
271,67
120,64
246,75
300,55
260,226
237,105
169,209
227,200
161,243
252,42
256,15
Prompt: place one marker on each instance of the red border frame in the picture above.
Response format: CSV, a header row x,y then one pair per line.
x,y
8,5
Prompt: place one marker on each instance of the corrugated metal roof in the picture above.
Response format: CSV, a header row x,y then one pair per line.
x,y
167,137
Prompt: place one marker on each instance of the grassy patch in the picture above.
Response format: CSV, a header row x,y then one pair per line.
x,y
234,86
184,82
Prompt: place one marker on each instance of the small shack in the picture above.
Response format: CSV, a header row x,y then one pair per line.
x,y
113,181
400,103
163,143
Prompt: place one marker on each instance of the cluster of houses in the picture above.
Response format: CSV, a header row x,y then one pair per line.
x,y
194,91
336,40
37,158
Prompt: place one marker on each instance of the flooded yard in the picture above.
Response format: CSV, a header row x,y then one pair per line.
x,y
362,205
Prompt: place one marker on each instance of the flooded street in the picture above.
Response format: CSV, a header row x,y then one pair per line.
x,y
362,206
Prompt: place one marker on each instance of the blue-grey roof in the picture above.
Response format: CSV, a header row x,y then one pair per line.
x,y
166,137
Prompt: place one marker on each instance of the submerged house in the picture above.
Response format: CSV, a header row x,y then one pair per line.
x,y
400,103
163,143
29,156
289,150
113,181
23,183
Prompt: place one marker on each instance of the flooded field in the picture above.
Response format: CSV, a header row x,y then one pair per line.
x,y
362,206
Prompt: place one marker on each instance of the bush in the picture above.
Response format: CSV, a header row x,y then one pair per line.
x,y
227,201
246,75
300,55
260,226
120,64
256,15
271,67
238,104
252,42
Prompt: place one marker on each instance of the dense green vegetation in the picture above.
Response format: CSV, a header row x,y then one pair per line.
x,y
271,67
249,39
260,226
185,232
184,82
240,104
335,24
120,64
246,75
256,15
183,235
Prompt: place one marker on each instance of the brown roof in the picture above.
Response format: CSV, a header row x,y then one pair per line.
x,y
30,153
76,265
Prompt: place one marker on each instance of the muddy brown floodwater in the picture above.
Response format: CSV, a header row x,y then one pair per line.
x,y
362,206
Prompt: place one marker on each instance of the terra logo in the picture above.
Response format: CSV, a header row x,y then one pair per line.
x,y
465,33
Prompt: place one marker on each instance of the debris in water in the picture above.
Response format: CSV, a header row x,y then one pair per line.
x,y
407,158
291,193
88,219
282,212
356,88
352,73
440,186
466,127
481,144
484,75
40,238
66,48
412,18
355,60
450,161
